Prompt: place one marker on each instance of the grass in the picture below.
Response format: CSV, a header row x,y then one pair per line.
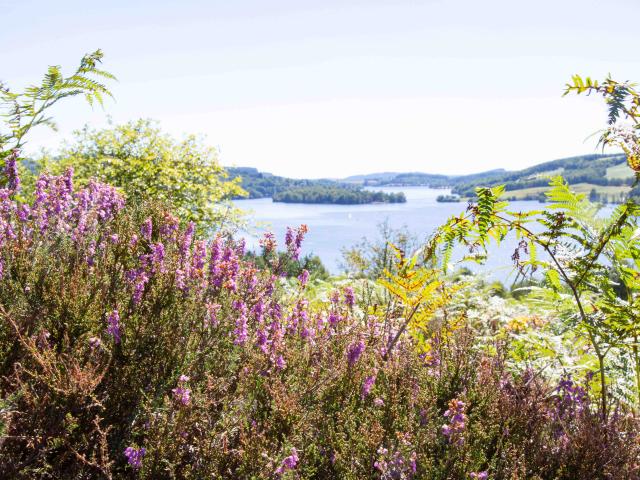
x,y
578,187
546,174
619,171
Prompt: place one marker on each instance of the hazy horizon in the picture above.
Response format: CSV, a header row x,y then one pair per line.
x,y
337,88
381,172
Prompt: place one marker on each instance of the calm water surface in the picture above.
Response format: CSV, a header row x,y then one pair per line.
x,y
333,227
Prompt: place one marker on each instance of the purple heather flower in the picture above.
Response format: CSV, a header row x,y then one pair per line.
x,y
169,226
146,229
252,284
268,243
424,420
182,395
262,340
94,342
299,316
349,297
259,310
183,378
187,238
214,260
42,184
304,277
289,463
378,402
454,430
354,351
289,237
67,179
113,325
367,385
333,319
293,240
277,333
157,257
240,331
270,286
134,456
91,253
570,401
199,258
335,297
181,280
280,363
479,475
11,171
24,212
138,279
212,314
240,247
395,465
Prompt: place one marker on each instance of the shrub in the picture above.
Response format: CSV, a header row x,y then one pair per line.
x,y
146,163
130,347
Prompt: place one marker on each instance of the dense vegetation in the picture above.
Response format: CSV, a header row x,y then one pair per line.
x,y
132,346
336,194
288,190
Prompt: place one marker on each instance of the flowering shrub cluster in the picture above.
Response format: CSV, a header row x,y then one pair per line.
x,y
129,347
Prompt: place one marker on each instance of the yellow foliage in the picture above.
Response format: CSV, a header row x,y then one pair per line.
x,y
422,294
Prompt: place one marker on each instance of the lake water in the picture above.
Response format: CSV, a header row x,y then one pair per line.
x,y
332,227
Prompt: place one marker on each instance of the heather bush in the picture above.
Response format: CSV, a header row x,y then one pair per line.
x,y
131,347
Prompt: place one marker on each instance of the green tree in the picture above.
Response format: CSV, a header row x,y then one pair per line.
x,y
145,162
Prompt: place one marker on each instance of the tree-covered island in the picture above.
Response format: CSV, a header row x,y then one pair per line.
x,y
289,190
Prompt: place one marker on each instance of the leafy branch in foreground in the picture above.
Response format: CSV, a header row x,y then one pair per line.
x,y
28,109
623,103
577,251
420,293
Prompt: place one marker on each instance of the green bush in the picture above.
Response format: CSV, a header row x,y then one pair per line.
x,y
145,163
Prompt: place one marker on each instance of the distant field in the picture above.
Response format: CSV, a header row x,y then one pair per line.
x,y
619,171
612,191
548,174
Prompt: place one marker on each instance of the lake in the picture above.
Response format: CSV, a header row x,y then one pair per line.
x,y
332,227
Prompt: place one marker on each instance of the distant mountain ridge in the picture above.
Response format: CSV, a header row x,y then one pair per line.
x,y
605,177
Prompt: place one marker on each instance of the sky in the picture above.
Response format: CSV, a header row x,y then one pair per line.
x,y
333,88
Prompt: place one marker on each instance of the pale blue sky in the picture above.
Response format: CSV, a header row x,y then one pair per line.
x,y
334,88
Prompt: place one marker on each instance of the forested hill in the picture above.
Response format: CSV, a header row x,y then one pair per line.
x,y
605,177
606,174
